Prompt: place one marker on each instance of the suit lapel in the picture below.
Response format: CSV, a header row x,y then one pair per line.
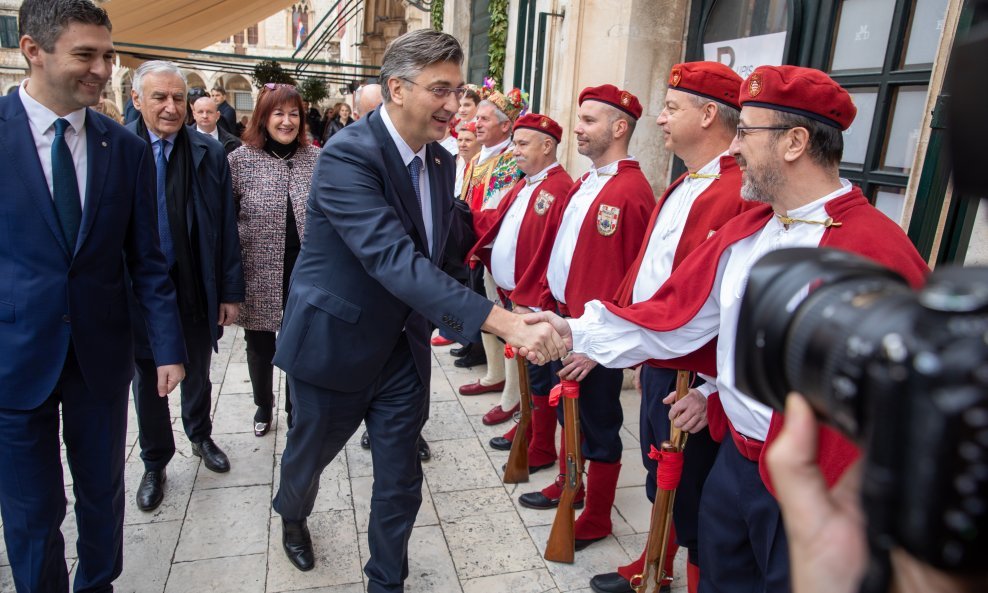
x,y
17,141
441,190
98,158
399,176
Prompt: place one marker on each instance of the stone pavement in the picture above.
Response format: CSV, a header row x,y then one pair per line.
x,y
217,532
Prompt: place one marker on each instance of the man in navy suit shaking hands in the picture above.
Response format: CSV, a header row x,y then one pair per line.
x,y
77,208
366,293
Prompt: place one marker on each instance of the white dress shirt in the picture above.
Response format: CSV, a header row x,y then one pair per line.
x,y
42,124
569,229
407,154
487,153
215,133
506,242
616,342
664,241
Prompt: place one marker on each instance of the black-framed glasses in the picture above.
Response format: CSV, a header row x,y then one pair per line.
x,y
745,130
273,86
441,92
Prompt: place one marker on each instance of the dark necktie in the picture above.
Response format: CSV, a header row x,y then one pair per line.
x,y
164,231
65,186
414,170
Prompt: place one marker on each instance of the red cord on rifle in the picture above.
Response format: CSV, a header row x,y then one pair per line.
x,y
570,389
509,352
670,468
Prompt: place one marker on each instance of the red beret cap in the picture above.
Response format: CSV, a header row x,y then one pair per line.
x,y
712,80
803,91
540,123
614,97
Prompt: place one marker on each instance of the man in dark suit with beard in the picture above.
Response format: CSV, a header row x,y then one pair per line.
x,y
366,293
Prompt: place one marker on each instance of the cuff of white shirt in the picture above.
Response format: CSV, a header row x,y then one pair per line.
x,y
582,338
707,388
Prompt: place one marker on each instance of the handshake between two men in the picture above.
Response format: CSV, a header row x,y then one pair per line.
x,y
540,337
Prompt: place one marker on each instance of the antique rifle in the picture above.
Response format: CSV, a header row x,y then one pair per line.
x,y
561,546
670,458
516,471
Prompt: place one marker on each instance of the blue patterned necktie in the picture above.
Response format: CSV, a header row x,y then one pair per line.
x,y
65,186
164,231
414,170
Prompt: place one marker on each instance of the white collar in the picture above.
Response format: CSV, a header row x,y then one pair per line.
x,y
43,118
486,153
406,152
541,175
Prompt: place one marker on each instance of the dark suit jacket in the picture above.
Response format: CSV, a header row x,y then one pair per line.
x,y
212,211
228,118
365,275
51,293
228,140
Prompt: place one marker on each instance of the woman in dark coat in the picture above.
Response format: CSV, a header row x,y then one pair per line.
x,y
338,119
271,176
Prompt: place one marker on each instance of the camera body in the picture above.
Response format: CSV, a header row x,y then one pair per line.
x,y
903,374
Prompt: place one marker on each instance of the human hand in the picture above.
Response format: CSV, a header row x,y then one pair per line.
x,y
169,376
520,310
539,342
577,367
228,313
689,413
828,548
561,329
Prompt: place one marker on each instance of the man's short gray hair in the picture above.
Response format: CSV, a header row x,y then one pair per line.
x,y
727,116
501,116
155,67
411,53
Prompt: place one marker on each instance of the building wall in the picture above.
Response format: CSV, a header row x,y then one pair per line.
x,y
13,66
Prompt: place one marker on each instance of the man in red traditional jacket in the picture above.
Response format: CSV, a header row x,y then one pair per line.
x,y
699,121
601,229
509,239
789,147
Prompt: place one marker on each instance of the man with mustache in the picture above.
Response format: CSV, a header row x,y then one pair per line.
x,y
788,146
698,121
197,224
600,231
367,292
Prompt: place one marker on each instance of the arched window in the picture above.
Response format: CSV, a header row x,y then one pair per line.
x,y
301,25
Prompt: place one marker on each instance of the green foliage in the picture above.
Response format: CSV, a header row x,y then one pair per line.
x,y
270,71
313,90
498,38
438,7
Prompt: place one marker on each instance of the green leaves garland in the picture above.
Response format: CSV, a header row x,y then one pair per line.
x,y
437,14
498,38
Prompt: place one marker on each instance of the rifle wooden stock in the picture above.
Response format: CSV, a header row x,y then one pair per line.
x,y
650,581
561,546
516,470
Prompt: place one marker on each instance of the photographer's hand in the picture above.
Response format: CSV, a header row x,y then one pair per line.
x,y
828,551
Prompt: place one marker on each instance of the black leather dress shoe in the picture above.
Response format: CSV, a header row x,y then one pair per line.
x,y
539,501
475,358
212,456
583,543
500,444
297,542
365,440
532,468
461,351
613,582
425,453
151,491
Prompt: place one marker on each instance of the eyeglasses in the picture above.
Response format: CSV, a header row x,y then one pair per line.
x,y
745,130
440,92
273,86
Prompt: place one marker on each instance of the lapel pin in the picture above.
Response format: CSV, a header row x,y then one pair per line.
x,y
103,143
438,162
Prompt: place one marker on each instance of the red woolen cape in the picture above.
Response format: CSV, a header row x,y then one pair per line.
x,y
864,230
600,261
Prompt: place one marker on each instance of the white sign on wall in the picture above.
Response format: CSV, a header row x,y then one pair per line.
x,y
745,54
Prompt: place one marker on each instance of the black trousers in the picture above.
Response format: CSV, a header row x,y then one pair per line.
x,y
153,419
394,408
698,458
260,353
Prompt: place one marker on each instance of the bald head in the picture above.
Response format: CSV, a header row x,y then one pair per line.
x,y
206,114
369,98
